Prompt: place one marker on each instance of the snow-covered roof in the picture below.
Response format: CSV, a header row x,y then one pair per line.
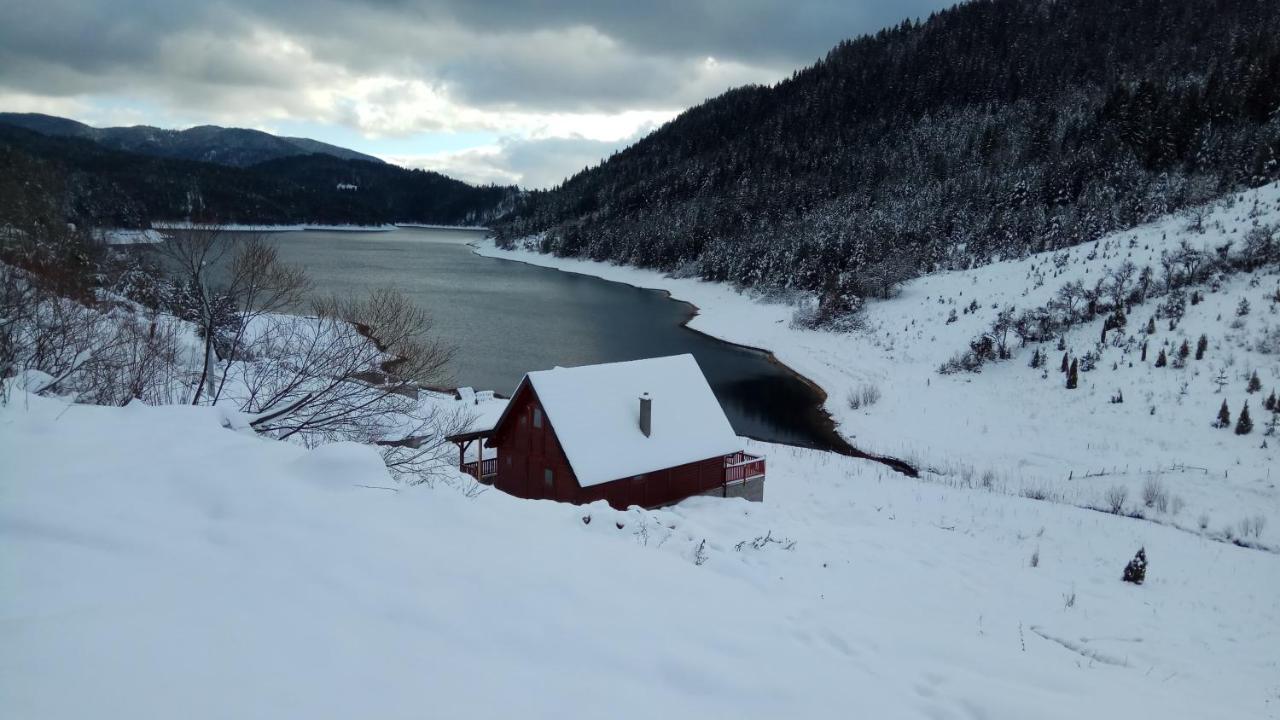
x,y
595,411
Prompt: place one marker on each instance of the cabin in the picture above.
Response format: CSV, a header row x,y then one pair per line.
x,y
644,432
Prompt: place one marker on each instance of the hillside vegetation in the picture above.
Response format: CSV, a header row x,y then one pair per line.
x,y
94,185
238,147
961,373
996,129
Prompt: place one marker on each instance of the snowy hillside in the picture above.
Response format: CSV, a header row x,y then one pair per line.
x,y
1018,430
159,564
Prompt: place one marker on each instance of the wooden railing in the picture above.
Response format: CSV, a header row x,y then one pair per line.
x,y
740,467
488,468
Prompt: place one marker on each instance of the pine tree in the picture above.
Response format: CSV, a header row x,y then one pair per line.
x,y
1224,416
1244,425
1064,362
1151,326
1243,308
1136,571
1161,359
1144,351
1270,402
1073,376
1184,350
1201,345
1255,384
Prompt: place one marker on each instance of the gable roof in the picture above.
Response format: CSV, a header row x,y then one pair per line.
x,y
595,412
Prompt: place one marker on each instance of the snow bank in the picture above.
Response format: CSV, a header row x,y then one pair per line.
x,y
236,227
157,564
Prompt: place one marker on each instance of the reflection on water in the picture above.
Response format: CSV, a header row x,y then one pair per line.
x,y
507,318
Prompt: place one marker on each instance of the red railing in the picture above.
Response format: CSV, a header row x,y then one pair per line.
x,y
488,468
740,467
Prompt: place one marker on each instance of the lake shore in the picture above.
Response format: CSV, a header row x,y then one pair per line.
x,y
709,305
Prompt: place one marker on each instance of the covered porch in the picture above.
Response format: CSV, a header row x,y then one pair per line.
x,y
474,458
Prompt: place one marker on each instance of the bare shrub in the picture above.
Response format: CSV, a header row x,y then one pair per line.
x,y
1154,493
863,396
1038,492
1252,526
1115,498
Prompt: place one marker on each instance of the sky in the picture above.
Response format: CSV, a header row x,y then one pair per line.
x,y
505,91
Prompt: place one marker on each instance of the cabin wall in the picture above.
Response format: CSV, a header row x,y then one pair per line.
x,y
526,452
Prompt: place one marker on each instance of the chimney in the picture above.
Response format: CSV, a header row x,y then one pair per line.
x,y
646,414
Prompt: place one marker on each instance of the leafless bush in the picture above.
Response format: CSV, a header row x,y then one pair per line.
x,y
351,372
1154,493
1252,526
863,396
1038,492
1115,498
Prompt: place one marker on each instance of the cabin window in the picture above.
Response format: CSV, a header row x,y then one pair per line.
x,y
548,478
537,418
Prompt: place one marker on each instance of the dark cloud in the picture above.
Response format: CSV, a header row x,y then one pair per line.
x,y
597,54
566,82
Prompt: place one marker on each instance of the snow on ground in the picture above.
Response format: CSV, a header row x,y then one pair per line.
x,y
237,227
158,564
427,226
1008,427
121,236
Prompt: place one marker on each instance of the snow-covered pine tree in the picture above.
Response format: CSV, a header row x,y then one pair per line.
x,y
1073,376
1255,384
1162,359
1136,571
1224,416
1270,403
1201,345
1184,350
1244,425
1065,361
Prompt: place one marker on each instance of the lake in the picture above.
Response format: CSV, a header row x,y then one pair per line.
x,y
507,317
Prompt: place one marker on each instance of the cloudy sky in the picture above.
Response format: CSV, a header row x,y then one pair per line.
x,y
523,91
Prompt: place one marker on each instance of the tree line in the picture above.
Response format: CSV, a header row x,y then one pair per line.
x,y
991,130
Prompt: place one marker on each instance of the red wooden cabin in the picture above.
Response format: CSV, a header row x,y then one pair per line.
x,y
645,432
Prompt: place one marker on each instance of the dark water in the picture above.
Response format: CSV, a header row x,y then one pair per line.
x,y
508,317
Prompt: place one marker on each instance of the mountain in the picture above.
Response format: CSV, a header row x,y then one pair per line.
x,y
991,130
99,186
238,147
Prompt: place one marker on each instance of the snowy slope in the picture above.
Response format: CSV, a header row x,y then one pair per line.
x,y
157,564
1009,429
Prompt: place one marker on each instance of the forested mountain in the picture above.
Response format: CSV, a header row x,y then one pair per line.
x,y
239,147
994,129
98,186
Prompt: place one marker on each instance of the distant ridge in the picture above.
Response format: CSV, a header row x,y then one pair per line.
x,y
79,180
237,147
